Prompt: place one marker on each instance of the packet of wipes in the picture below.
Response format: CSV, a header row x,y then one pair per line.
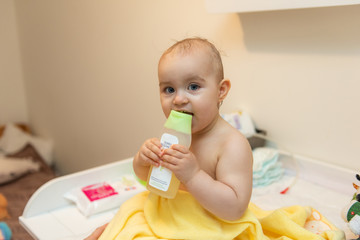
x,y
99,197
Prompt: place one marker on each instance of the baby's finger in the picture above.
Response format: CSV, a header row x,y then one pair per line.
x,y
149,157
179,148
172,152
156,142
167,165
155,148
169,159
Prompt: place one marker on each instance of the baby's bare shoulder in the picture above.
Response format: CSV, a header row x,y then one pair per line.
x,y
233,136
234,159
235,146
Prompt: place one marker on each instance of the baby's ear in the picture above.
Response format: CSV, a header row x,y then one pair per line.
x,y
224,87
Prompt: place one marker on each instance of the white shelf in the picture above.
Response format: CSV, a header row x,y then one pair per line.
x,y
228,6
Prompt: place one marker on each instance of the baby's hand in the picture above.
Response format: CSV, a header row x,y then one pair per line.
x,y
181,162
150,152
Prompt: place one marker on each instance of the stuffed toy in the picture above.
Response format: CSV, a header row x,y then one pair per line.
x,y
3,205
5,232
351,212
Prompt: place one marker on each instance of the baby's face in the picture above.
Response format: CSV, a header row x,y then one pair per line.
x,y
188,83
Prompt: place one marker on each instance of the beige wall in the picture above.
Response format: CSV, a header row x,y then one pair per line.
x,y
12,94
91,84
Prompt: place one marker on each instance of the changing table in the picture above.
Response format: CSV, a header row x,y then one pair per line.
x,y
49,216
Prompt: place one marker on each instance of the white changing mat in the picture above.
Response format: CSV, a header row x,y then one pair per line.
x,y
48,216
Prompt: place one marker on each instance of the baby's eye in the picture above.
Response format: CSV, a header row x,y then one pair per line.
x,y
193,87
169,90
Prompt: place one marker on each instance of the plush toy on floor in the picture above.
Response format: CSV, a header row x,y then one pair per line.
x,y
3,208
351,212
5,232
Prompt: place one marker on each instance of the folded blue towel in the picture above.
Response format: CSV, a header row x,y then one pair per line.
x,y
266,168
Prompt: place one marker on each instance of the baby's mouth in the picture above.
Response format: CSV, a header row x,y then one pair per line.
x,y
187,113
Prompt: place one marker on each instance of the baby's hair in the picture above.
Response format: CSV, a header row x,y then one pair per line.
x,y
187,45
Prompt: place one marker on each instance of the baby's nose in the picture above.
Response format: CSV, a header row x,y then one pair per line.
x,y
180,98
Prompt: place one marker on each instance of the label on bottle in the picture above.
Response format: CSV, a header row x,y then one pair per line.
x,y
160,177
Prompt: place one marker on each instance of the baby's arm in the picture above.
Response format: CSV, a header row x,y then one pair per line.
x,y
229,194
148,155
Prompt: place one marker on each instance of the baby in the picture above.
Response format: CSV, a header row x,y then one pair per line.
x,y
217,168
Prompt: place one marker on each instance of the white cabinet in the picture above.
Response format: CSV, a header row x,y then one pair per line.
x,y
227,6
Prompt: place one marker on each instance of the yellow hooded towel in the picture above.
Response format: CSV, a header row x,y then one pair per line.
x,y
148,216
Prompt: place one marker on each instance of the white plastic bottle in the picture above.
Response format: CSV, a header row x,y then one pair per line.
x,y
177,130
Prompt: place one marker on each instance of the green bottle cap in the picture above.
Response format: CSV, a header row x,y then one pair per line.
x,y
180,122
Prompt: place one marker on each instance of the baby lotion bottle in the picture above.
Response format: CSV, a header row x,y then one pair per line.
x,y
177,130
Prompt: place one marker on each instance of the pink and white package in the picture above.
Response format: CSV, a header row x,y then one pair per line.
x,y
99,197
